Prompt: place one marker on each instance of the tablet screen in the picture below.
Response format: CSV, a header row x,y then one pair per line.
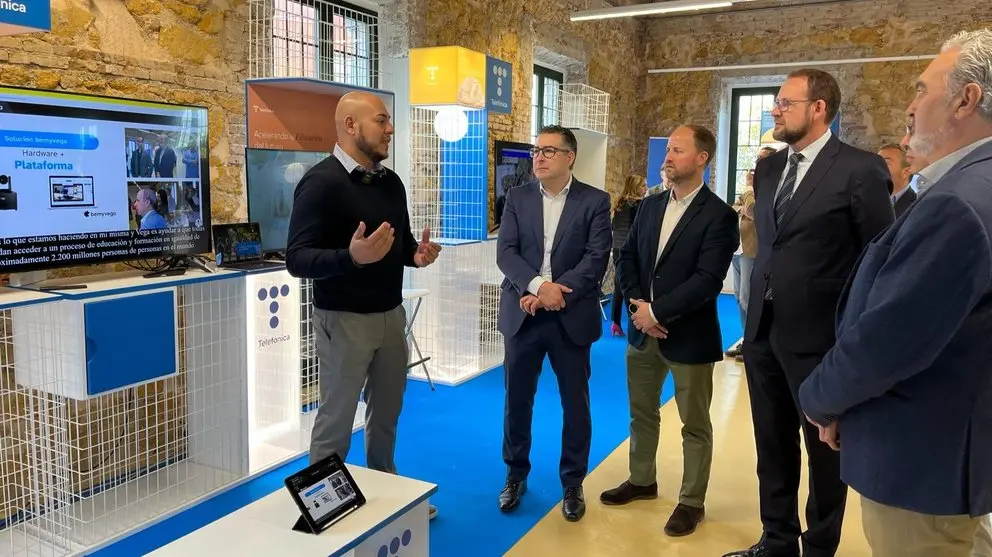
x,y
327,495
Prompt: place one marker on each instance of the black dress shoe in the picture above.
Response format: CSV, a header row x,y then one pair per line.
x,y
684,520
573,507
757,550
628,492
509,498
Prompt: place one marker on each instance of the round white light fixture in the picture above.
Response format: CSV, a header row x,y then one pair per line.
x,y
451,123
294,172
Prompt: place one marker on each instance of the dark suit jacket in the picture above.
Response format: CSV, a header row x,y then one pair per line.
x,y
909,377
840,205
687,277
904,202
579,256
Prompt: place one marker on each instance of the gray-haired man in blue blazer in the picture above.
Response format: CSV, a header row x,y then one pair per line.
x,y
910,408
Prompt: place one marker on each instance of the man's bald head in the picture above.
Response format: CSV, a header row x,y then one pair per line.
x,y
363,127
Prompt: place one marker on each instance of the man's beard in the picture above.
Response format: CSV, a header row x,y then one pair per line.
x,y
791,137
366,148
673,175
923,145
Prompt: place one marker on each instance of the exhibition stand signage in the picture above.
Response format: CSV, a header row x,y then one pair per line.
x,y
447,75
25,16
499,86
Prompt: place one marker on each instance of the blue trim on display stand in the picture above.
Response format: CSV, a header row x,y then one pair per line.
x,y
463,171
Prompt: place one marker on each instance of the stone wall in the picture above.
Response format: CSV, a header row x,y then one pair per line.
x,y
605,53
180,51
875,95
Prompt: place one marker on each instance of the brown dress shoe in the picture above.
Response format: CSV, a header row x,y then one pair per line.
x,y
628,492
684,520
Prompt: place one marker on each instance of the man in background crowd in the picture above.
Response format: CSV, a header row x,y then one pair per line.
x,y
748,250
902,195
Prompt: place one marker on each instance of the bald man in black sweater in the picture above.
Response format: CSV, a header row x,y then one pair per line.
x,y
358,317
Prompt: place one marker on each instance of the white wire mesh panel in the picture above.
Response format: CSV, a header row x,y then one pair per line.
x,y
456,325
106,464
316,39
424,189
34,452
586,107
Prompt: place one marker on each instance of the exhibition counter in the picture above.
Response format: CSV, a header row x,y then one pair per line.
x,y
394,517
125,399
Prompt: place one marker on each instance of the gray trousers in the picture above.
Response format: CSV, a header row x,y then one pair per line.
x,y
359,350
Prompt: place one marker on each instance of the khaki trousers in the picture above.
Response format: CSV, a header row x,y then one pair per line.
x,y
893,532
646,373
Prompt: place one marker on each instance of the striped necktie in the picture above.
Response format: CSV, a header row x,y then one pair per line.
x,y
782,202
788,188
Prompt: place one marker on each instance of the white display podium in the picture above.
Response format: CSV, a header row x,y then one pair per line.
x,y
395,517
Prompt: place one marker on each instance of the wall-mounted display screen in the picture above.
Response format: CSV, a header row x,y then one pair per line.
x,y
99,179
272,176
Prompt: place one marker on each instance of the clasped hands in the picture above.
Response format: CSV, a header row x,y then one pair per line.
x,y
550,296
640,316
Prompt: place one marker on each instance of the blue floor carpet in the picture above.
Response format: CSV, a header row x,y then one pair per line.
x,y
453,437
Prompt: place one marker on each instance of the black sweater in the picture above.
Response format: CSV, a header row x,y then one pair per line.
x,y
327,207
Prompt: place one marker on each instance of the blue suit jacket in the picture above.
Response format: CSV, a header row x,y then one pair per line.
x,y
908,378
579,256
687,276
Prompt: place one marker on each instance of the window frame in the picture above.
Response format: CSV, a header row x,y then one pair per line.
x,y
538,107
735,103
326,49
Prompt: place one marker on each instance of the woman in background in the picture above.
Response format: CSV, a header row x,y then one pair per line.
x,y
624,209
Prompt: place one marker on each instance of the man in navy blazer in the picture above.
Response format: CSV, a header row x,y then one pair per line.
x,y
671,269
553,248
910,407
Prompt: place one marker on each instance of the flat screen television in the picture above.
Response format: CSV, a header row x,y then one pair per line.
x,y
514,167
88,179
271,178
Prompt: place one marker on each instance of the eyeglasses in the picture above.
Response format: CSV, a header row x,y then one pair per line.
x,y
783,105
548,152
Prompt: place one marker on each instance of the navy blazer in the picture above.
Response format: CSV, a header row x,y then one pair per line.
x,y
842,203
687,277
579,256
908,379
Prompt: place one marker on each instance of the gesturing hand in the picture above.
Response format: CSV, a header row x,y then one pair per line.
x,y
427,251
373,248
551,295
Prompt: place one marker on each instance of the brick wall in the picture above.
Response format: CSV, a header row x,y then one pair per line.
x,y
180,51
875,95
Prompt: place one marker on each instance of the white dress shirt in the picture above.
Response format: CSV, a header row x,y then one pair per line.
x,y
809,155
673,214
931,174
552,206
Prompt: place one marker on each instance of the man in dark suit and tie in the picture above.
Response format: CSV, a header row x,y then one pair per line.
x,y
553,248
671,268
819,202
902,195
909,408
